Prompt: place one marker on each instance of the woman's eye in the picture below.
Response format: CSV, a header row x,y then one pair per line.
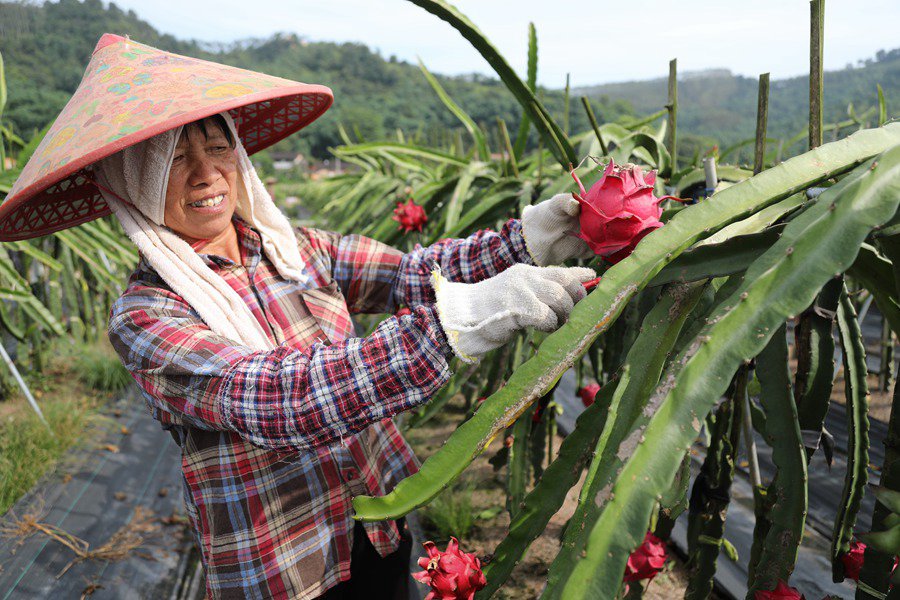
x,y
177,158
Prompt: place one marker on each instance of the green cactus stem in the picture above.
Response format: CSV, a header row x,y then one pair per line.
x,y
856,391
629,412
593,315
550,491
710,495
674,502
787,494
876,274
814,343
877,563
819,242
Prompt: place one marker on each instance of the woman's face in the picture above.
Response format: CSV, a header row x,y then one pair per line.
x,y
202,191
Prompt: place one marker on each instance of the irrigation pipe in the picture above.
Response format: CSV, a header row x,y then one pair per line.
x,y
24,387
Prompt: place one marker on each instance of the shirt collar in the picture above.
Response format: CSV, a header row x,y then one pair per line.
x,y
249,243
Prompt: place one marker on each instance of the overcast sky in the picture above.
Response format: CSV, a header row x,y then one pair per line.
x,y
595,41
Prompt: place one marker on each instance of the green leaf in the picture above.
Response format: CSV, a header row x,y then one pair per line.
x,y
889,498
475,215
553,136
856,391
395,148
461,192
787,515
821,241
33,251
525,123
481,149
597,312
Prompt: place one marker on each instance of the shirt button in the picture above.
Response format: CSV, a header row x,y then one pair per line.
x,y
350,474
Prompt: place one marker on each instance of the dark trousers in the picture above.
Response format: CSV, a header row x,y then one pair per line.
x,y
371,576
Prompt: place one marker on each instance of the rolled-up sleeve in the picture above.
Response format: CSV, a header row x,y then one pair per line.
x,y
366,270
283,399
469,260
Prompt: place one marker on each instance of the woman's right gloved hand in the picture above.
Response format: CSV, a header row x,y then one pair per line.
x,y
478,317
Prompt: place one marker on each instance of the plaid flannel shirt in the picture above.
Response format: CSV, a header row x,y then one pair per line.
x,y
275,444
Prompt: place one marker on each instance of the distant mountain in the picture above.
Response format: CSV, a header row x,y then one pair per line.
x,y
47,46
715,106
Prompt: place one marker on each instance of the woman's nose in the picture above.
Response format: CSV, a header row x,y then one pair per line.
x,y
202,171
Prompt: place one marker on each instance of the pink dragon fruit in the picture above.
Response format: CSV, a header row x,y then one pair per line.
x,y
452,575
618,211
410,216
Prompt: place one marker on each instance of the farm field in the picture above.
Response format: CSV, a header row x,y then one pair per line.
x,y
665,355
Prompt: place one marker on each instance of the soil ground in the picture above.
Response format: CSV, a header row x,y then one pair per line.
x,y
488,486
879,400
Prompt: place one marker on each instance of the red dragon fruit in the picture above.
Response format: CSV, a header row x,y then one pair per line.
x,y
781,592
647,560
853,560
588,392
618,211
452,575
410,216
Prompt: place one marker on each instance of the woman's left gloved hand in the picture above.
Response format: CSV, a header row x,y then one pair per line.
x,y
549,229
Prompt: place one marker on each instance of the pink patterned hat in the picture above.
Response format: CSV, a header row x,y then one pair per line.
x,y
131,92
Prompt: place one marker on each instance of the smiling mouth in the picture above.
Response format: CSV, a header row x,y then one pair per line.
x,y
214,201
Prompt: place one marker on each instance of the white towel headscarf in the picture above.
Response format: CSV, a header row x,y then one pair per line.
x,y
133,182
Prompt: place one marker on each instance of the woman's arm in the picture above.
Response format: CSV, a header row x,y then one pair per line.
x,y
468,260
376,278
283,399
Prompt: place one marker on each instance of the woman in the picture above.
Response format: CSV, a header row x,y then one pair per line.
x,y
237,329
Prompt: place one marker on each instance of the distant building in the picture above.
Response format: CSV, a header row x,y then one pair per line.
x,y
285,161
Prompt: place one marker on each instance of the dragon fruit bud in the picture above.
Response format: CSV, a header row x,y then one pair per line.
x,y
618,210
410,216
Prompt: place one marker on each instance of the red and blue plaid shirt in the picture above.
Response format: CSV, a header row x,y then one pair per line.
x,y
275,444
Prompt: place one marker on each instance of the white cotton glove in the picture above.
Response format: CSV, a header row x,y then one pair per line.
x,y
549,230
478,317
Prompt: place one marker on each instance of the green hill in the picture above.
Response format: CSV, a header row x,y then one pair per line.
x,y
46,47
716,106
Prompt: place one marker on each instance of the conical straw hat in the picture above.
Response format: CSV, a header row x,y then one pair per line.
x,y
131,92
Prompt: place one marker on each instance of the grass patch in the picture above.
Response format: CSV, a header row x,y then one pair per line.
x,y
71,405
100,369
450,513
